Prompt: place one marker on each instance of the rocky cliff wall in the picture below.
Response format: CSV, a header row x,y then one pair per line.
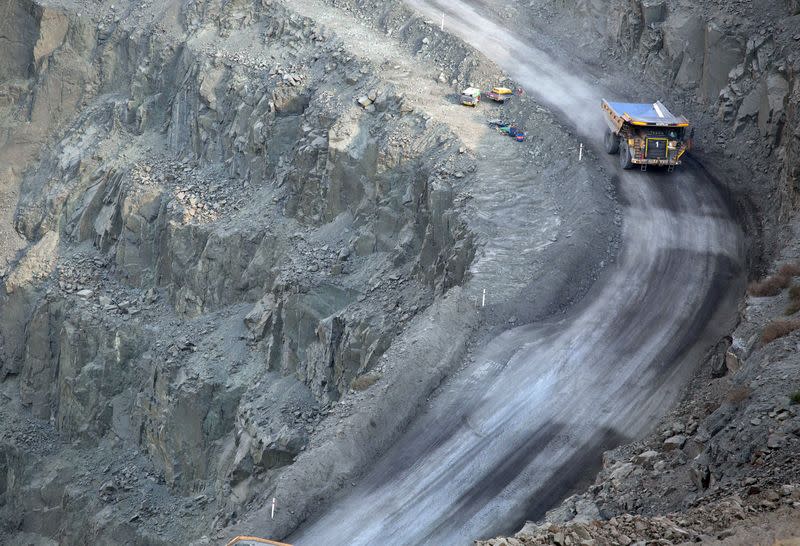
x,y
18,39
210,222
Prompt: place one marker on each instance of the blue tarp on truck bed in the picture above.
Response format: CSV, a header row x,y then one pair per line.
x,y
655,113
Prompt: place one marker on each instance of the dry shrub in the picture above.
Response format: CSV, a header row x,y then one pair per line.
x,y
794,307
790,269
794,300
779,328
770,286
774,284
795,397
363,382
738,394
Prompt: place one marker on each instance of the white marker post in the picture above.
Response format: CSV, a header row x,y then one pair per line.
x,y
483,299
273,507
442,21
580,153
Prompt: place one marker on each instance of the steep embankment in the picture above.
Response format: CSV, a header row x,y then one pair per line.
x,y
248,253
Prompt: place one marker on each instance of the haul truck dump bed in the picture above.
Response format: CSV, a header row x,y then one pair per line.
x,y
645,134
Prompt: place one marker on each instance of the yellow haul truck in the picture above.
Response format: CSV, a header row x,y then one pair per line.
x,y
471,96
645,134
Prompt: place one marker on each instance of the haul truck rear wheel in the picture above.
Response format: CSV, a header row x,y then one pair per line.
x,y
612,142
625,158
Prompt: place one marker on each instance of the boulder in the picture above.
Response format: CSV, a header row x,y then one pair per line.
x,y
621,471
749,108
684,43
674,442
732,362
646,457
771,110
776,441
715,422
268,434
700,473
718,368
259,320
723,52
209,82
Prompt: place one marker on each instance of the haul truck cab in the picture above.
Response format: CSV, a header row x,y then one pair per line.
x,y
645,134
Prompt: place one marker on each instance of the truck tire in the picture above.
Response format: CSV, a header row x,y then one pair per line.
x,y
611,142
625,159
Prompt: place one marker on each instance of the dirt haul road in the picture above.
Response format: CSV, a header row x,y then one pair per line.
x,y
529,418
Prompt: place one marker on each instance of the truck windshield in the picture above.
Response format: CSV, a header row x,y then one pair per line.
x,y
672,133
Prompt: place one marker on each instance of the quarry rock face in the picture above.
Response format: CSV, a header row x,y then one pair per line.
x,y
241,251
195,190
246,252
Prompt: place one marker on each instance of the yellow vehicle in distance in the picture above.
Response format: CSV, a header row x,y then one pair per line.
x,y
471,96
500,94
